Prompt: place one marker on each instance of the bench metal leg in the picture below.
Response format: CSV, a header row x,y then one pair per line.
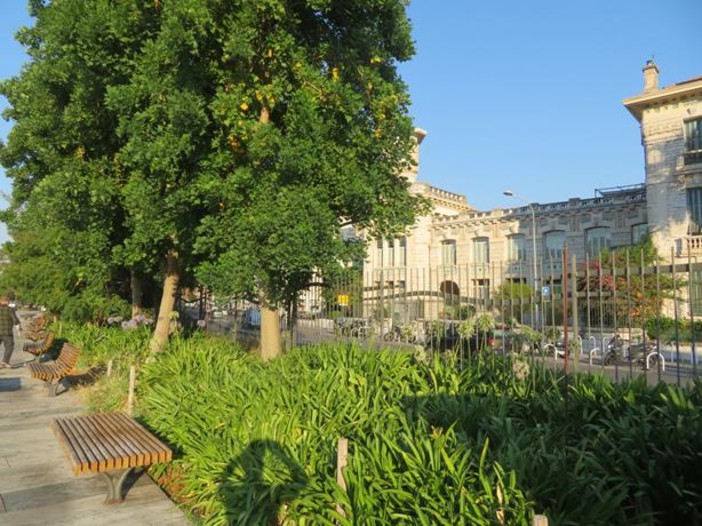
x,y
115,481
53,387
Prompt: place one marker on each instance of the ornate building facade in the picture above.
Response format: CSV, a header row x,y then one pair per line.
x,y
462,255
671,136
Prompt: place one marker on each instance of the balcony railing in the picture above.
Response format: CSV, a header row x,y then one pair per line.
x,y
694,157
694,245
517,268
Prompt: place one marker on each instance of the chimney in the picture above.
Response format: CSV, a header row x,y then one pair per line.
x,y
650,72
413,171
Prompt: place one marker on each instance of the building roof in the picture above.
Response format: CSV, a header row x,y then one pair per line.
x,y
677,92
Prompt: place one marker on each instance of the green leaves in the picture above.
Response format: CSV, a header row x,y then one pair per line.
x,y
428,443
241,135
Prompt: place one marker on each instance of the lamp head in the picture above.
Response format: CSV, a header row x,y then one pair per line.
x,y
508,193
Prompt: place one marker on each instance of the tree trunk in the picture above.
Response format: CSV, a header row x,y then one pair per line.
x,y
270,333
137,294
270,322
170,286
292,325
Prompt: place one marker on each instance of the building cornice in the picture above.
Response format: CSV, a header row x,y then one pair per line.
x,y
568,208
441,197
674,93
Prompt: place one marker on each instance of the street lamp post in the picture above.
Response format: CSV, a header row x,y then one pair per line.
x,y
535,307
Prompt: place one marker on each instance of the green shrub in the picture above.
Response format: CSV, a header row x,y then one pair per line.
x,y
429,443
269,434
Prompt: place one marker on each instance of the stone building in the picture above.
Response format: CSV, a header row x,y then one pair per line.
x,y
671,135
460,255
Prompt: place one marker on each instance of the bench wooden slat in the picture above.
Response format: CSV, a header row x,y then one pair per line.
x,y
40,346
94,460
134,456
134,430
119,453
159,451
117,450
118,423
60,368
109,441
81,456
93,446
76,455
96,444
162,451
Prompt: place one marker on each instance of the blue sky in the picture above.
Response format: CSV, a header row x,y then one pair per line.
x,y
527,95
519,95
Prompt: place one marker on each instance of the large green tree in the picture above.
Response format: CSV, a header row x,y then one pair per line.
x,y
65,215
313,119
236,137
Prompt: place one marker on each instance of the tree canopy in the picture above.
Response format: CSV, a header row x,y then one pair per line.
x,y
225,139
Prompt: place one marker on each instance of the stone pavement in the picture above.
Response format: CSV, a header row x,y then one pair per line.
x,y
37,485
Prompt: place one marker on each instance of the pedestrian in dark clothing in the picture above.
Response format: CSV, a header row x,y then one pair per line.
x,y
8,321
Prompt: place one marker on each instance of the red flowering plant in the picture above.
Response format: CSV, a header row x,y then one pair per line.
x,y
626,285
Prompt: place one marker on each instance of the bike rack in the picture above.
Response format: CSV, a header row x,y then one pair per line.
x,y
594,351
592,342
555,352
660,357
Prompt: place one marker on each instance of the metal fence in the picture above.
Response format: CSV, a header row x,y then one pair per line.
x,y
615,312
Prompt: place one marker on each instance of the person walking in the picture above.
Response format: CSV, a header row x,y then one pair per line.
x,y
8,322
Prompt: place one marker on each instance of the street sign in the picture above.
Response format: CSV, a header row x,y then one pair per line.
x,y
545,290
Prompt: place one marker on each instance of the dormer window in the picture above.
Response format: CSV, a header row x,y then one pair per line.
x,y
693,141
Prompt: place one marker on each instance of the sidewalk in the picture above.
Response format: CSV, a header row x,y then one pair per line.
x,y
37,485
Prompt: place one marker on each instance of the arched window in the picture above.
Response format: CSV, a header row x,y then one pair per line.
x,y
553,245
516,247
450,292
597,239
638,233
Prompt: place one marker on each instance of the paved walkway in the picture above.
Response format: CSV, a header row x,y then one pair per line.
x,y
37,485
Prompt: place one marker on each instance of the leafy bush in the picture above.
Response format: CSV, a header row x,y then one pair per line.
x,y
552,334
429,443
669,330
268,435
101,346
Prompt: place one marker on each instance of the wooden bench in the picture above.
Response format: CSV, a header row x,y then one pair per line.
x,y
37,323
40,347
52,372
109,444
33,334
34,328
